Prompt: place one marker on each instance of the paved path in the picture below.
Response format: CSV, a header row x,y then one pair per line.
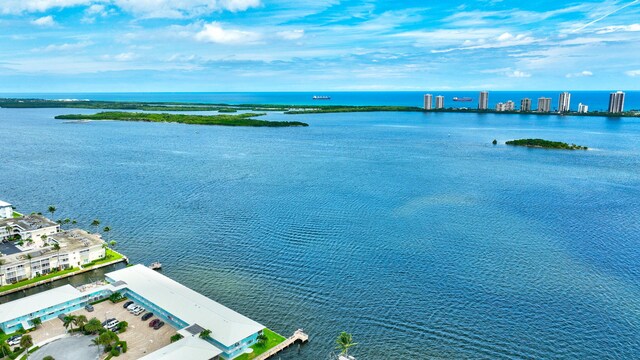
x,y
69,348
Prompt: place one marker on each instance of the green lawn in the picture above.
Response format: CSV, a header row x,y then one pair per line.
x,y
17,214
110,255
273,340
36,279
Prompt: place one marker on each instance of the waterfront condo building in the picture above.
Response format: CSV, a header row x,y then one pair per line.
x,y
428,101
544,104
616,102
582,108
509,106
525,104
28,259
6,210
483,100
564,104
439,102
27,228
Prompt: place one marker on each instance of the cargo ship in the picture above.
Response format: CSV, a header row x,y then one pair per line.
x,y
464,99
321,97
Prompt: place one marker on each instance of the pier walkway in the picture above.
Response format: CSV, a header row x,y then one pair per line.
x,y
298,336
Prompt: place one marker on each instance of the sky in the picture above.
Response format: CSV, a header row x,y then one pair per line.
x,y
309,45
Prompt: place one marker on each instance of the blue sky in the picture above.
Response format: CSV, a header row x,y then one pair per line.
x,y
308,45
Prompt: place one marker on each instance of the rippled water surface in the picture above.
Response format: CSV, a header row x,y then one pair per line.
x,y
409,230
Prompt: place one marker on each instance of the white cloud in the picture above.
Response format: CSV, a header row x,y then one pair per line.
x,y
291,34
633,73
580,74
518,74
214,33
64,47
610,29
44,21
128,56
142,8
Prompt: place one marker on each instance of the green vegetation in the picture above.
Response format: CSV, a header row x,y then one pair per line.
x,y
546,144
272,339
36,279
176,337
17,214
116,297
110,255
345,342
205,334
224,120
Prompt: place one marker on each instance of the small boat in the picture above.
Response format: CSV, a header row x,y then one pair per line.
x,y
465,99
155,266
321,97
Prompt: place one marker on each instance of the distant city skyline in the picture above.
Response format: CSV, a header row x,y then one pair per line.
x,y
355,45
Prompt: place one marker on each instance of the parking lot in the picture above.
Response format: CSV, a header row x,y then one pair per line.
x,y
141,339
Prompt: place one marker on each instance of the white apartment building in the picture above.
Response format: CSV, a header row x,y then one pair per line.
x,y
29,227
509,106
564,104
616,102
544,104
77,247
501,107
582,108
6,210
483,100
525,104
439,102
428,101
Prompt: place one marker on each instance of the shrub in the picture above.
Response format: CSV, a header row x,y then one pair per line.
x,y
176,337
115,352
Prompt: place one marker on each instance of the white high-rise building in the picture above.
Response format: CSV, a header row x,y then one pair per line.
x,y
501,107
428,101
616,102
439,102
582,108
525,104
544,104
509,106
483,101
564,104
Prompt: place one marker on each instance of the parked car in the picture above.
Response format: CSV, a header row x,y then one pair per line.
x,y
88,307
131,306
127,304
104,323
14,340
147,316
138,311
158,325
154,322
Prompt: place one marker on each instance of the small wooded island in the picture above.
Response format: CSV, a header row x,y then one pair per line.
x,y
246,119
545,144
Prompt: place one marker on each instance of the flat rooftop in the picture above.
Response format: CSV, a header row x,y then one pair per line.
x,y
227,326
4,204
28,222
35,302
75,239
192,348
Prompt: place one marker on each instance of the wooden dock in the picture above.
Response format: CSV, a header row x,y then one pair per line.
x,y
298,336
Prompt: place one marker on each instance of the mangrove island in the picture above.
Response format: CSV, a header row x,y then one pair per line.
x,y
545,144
246,119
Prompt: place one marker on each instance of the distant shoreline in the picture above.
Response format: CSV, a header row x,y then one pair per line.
x,y
286,109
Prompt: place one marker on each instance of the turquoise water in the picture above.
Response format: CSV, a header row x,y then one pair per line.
x,y
409,230
597,100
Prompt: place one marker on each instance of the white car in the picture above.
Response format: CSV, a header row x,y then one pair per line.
x,y
132,306
138,311
14,340
112,325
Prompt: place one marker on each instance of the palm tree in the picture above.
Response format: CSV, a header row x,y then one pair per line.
x,y
95,223
205,333
52,209
262,339
36,322
80,321
68,321
107,338
345,341
5,349
106,230
93,326
26,341
112,243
